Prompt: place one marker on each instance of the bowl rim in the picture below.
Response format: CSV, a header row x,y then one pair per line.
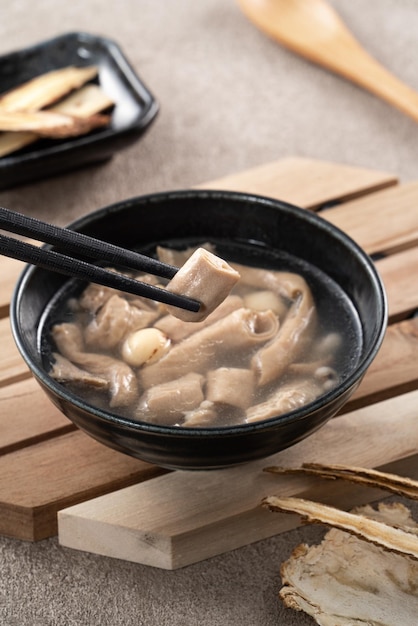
x,y
204,432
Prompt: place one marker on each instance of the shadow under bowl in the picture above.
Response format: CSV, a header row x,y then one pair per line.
x,y
196,216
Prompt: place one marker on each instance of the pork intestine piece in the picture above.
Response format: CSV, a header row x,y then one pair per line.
x,y
285,284
230,385
296,330
325,375
167,402
204,277
123,386
239,331
202,416
178,330
327,346
107,327
175,257
288,397
95,296
266,299
115,319
66,372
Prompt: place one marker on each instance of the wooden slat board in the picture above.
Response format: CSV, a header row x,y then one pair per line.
x,y
10,271
304,182
12,367
394,371
17,429
184,517
37,457
40,479
397,272
383,222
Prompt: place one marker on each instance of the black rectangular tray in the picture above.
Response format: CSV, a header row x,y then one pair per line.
x,y
135,107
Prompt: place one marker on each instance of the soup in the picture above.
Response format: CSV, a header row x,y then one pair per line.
x,y
278,341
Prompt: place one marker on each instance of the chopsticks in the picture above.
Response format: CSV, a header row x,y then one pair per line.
x,y
80,244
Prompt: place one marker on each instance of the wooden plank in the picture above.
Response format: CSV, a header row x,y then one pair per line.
x,y
37,481
394,371
39,470
12,366
10,270
383,222
399,273
184,517
305,182
387,377
27,416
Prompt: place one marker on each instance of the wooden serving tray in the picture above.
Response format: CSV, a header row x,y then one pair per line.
x,y
54,478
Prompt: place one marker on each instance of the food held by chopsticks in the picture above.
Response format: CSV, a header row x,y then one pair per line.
x,y
365,570
57,104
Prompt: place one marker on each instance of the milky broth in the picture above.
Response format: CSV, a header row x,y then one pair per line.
x,y
332,348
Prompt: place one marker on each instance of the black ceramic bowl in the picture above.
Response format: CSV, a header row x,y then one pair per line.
x,y
260,223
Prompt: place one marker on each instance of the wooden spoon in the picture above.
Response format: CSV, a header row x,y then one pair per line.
x,y
314,30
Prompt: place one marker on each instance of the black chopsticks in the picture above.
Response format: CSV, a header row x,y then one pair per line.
x,y
79,244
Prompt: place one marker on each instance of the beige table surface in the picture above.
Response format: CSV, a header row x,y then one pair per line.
x,y
230,99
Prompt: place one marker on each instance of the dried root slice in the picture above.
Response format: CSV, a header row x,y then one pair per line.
x,y
11,142
378,533
347,582
88,100
367,477
83,103
50,124
46,89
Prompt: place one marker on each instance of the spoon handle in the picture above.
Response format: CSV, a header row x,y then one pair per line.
x,y
314,30
349,59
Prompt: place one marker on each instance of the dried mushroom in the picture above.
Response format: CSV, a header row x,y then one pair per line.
x,y
349,580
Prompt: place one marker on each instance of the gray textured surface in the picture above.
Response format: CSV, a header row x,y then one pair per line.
x,y
230,99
